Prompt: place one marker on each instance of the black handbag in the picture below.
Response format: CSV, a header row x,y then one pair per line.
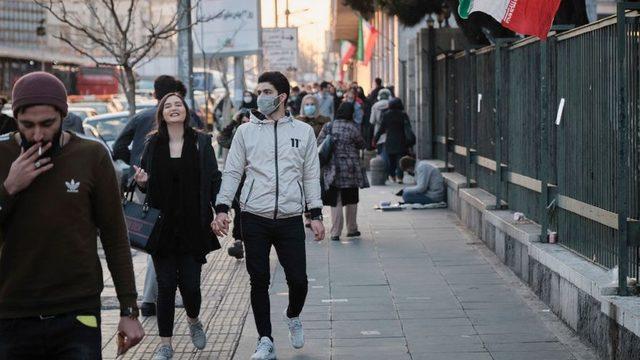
x,y
409,135
326,148
143,222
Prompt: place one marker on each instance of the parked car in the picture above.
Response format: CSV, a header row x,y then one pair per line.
x,y
108,126
83,112
122,168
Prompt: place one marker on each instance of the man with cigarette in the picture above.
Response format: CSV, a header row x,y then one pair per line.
x,y
57,191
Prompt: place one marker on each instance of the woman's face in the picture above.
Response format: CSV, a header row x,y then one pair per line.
x,y
174,111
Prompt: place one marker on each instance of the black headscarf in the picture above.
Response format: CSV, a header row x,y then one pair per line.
x,y
345,111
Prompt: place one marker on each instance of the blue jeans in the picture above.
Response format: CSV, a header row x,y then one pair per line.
x,y
57,337
416,198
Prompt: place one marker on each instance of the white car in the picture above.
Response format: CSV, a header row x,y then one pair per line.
x,y
83,112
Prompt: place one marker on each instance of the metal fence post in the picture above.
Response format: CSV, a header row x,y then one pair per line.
x,y
623,169
544,139
498,120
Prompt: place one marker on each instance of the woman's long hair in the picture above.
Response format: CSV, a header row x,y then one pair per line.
x,y
160,120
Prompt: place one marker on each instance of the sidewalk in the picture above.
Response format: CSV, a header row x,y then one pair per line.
x,y
416,285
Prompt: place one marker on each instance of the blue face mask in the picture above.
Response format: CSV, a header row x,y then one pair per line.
x,y
310,110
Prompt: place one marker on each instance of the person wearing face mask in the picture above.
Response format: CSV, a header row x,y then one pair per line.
x,y
325,101
295,101
248,101
358,113
179,174
58,190
310,114
279,156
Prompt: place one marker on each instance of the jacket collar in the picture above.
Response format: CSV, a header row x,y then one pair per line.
x,y
259,119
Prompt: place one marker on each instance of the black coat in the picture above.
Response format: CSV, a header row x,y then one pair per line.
x,y
393,120
210,181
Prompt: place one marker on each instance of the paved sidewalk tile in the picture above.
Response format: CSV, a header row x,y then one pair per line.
x,y
413,286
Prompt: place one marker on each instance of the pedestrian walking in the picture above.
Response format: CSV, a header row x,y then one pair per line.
x,y
135,135
248,100
58,191
310,114
179,174
343,175
294,103
396,144
280,158
325,101
225,139
376,120
373,95
7,123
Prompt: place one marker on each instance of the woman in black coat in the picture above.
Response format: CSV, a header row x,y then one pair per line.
x,y
393,123
180,176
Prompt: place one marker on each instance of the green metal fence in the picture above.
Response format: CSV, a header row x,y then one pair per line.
x,y
495,121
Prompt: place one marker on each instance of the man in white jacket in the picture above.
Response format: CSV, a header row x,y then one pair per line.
x,y
280,159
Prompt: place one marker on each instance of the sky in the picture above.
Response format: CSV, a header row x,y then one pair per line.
x,y
310,16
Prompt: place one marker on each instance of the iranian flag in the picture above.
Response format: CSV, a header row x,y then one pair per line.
x,y
347,51
367,36
528,17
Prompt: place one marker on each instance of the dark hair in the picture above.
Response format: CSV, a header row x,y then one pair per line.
x,y
181,89
295,88
345,111
407,162
163,85
378,81
3,101
278,80
324,85
161,122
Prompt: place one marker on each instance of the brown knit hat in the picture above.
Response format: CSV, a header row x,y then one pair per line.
x,y
39,88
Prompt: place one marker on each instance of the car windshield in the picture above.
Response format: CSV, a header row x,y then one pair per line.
x,y
81,114
110,128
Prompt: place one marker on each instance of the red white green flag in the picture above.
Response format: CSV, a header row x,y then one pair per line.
x,y
347,51
528,17
367,36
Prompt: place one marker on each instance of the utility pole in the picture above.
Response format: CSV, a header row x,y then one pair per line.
x,y
185,49
276,1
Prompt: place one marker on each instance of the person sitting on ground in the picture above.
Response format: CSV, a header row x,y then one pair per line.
x,y
429,188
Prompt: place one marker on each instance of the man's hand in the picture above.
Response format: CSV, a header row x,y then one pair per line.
x,y
220,225
130,333
26,168
318,229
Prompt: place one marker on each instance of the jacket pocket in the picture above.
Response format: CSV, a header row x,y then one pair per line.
x,y
301,194
246,200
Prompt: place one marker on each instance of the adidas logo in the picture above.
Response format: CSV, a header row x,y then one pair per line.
x,y
72,186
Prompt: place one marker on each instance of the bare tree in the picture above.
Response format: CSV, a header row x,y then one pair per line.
x,y
110,28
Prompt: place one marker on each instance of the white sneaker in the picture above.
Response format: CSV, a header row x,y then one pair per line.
x,y
296,333
265,350
164,352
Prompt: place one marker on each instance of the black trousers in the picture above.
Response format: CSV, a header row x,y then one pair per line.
x,y
288,238
62,337
173,271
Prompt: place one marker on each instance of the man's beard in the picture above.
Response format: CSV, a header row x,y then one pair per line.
x,y
53,150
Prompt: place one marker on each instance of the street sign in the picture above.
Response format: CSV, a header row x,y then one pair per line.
x,y
234,33
280,49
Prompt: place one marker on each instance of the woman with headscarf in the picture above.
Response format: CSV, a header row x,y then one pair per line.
x,y
310,114
343,175
396,145
249,101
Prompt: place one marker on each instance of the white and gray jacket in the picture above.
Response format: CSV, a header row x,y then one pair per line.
x,y
280,160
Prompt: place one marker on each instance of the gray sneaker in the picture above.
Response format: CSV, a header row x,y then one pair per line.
x,y
296,333
265,350
198,337
164,352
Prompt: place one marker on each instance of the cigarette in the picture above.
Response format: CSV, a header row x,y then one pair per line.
x,y
40,151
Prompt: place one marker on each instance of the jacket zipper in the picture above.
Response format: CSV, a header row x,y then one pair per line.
x,y
275,131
